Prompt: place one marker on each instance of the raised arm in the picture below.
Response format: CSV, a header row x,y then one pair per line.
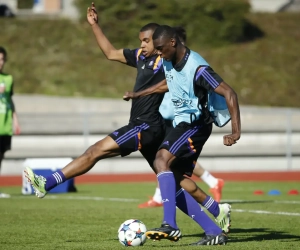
x,y
107,48
160,87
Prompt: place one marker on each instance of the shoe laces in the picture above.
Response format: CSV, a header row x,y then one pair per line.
x,y
40,178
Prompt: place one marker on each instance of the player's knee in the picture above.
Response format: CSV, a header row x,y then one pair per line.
x,y
191,188
93,153
160,163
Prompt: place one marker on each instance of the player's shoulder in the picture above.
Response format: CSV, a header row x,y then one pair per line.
x,y
195,55
6,75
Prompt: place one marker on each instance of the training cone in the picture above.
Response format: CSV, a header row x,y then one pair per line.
x,y
274,192
293,192
258,192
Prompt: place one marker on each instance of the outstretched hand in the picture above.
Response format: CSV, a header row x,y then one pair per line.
x,y
231,139
92,15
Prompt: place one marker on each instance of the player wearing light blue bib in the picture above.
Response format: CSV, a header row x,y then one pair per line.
x,y
197,94
185,103
216,185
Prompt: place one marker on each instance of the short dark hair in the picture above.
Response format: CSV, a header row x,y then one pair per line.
x,y
164,31
150,26
3,51
181,32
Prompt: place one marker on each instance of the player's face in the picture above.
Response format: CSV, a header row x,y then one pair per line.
x,y
165,48
147,43
2,61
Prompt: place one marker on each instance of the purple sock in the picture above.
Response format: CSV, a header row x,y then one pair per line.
x,y
187,204
168,188
54,180
211,205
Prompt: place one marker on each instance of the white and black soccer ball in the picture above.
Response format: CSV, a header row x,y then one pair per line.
x,y
132,233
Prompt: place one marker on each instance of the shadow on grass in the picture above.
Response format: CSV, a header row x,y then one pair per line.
x,y
260,234
168,246
157,243
247,202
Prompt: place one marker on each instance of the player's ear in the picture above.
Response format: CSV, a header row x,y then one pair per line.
x,y
173,42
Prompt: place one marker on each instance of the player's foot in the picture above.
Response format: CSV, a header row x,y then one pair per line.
x,y
220,239
217,190
38,182
150,203
2,195
164,232
223,218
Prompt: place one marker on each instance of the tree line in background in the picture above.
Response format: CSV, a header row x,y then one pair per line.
x,y
61,57
210,23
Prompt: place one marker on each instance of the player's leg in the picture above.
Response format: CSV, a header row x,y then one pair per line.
x,y
121,142
5,144
156,200
213,234
164,158
1,158
186,203
221,212
215,184
189,205
189,151
149,153
104,148
169,229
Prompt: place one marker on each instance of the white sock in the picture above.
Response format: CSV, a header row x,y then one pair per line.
x,y
157,195
209,179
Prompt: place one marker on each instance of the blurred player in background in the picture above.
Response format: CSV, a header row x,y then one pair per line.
x,y
167,111
8,117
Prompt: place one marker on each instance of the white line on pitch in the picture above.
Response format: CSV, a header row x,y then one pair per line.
x,y
264,212
267,201
93,198
55,197
288,202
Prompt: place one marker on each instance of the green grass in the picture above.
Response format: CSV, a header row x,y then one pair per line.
x,y
58,222
60,57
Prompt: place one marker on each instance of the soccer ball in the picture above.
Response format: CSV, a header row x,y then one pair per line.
x,y
132,233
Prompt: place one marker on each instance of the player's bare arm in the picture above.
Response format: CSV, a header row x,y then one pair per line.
x,y
233,106
16,125
160,87
107,48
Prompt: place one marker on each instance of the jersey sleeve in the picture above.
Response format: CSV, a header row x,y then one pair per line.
x,y
131,57
207,78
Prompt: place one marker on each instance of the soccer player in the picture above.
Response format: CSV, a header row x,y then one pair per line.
x,y
8,116
144,132
166,110
196,92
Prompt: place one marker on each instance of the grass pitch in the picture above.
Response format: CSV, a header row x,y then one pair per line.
x,y
89,219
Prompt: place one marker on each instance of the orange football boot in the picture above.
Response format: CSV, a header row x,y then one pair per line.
x,y
150,203
217,190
